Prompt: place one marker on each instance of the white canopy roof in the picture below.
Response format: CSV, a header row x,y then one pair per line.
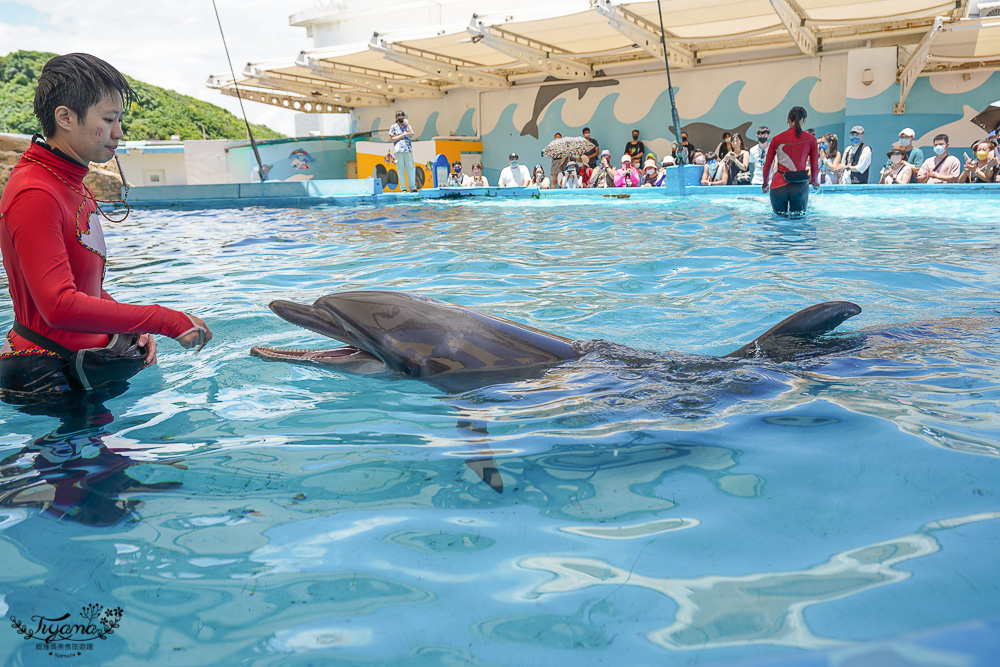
x,y
607,37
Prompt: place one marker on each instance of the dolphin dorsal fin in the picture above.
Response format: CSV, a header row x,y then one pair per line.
x,y
817,319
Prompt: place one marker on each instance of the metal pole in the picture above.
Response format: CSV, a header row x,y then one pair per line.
x,y
682,156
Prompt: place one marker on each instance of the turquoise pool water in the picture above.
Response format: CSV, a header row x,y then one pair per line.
x,y
659,507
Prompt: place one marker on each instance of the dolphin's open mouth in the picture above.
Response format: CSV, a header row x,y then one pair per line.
x,y
329,355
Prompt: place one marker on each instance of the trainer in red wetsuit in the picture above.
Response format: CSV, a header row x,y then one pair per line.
x,y
51,236
793,151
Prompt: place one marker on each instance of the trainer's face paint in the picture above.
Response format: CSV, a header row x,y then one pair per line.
x,y
95,137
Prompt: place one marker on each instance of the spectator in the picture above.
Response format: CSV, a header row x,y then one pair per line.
x,y
899,171
651,173
538,178
571,178
715,172
604,175
796,159
478,180
725,146
457,179
627,176
637,165
857,157
514,175
661,178
558,163
944,168
635,148
585,173
592,154
687,150
830,168
912,155
402,151
698,158
984,169
738,162
759,153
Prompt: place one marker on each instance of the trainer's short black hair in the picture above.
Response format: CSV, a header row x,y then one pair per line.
x,y
78,81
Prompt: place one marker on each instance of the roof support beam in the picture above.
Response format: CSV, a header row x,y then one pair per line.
x,y
644,34
537,55
350,98
793,18
292,102
915,65
376,84
449,70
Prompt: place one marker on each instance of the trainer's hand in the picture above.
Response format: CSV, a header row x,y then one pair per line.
x,y
148,342
197,338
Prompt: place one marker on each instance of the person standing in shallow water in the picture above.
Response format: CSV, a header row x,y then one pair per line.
x,y
52,240
797,163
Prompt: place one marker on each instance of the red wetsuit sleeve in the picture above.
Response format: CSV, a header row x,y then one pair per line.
x,y
814,162
768,160
33,223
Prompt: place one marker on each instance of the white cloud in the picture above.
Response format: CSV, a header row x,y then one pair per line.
x,y
174,44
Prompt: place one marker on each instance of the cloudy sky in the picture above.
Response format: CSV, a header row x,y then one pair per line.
x,y
173,44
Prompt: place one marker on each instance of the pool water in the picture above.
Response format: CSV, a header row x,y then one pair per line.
x,y
659,506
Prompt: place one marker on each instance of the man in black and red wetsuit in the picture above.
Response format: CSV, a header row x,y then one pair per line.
x,y
51,236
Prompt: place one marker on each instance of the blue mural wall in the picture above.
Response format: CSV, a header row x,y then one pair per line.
x,y
832,89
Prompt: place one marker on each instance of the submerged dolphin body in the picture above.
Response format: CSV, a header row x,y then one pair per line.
x,y
435,341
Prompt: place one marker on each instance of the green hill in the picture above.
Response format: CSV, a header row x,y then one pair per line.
x,y
158,114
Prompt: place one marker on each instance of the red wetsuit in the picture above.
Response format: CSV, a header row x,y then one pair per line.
x,y
54,254
800,149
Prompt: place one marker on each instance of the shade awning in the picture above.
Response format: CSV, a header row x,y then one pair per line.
x,y
605,37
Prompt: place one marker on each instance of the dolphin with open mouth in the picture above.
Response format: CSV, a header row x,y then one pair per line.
x,y
456,348
408,335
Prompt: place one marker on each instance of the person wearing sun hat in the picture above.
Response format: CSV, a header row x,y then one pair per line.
x,y
912,155
627,176
650,173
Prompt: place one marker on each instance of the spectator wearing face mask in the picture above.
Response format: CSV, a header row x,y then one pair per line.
x,y
685,154
571,178
830,167
715,172
515,174
899,172
912,155
758,154
983,169
627,176
457,179
604,175
943,168
725,146
635,148
857,157
650,173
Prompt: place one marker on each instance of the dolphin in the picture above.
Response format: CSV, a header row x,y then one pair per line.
x,y
409,335
452,347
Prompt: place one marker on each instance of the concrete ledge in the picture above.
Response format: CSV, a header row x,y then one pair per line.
x,y
276,193
367,191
